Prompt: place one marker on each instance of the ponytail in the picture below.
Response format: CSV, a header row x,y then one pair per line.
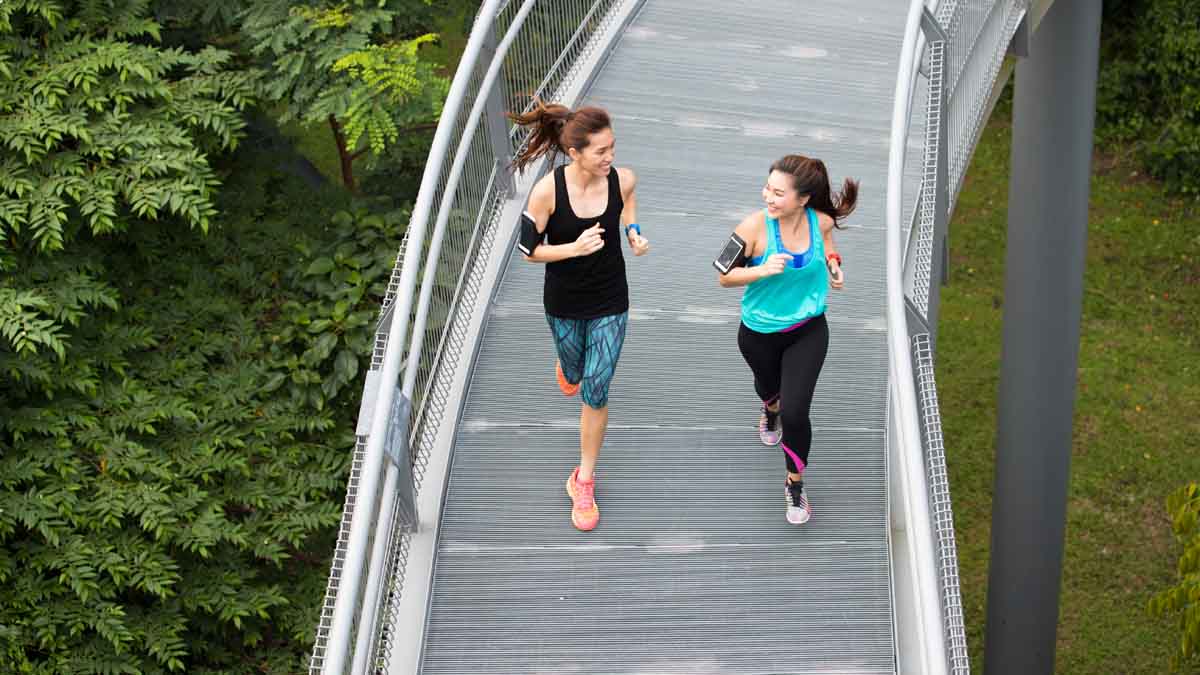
x,y
809,177
556,128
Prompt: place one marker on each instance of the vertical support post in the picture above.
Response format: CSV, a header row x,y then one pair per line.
x,y
495,120
1053,118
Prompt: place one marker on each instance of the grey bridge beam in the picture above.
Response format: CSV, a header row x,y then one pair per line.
x,y
1053,116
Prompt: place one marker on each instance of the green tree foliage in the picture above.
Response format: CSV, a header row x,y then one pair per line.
x,y
1149,92
158,517
100,128
100,125
350,65
202,21
1183,599
172,439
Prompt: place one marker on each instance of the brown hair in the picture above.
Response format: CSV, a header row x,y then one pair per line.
x,y
557,128
809,177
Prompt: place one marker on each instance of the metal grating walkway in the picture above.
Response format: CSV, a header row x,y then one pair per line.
x,y
693,569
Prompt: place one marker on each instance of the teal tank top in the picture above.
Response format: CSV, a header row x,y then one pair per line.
x,y
778,303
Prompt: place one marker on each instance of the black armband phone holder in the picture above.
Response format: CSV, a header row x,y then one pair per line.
x,y
732,255
529,238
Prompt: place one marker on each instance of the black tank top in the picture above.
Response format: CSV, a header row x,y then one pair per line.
x,y
592,286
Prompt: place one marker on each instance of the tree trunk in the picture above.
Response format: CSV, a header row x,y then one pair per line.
x,y
347,158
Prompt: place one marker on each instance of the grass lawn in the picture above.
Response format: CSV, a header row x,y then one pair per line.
x,y
1137,413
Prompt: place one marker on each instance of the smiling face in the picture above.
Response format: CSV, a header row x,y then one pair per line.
x,y
780,195
597,156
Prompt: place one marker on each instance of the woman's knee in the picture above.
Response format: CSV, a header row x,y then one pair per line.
x,y
596,381
795,414
595,391
569,347
573,368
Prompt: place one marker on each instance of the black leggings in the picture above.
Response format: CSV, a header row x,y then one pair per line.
x,y
786,366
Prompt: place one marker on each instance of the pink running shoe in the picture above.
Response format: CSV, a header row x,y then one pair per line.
x,y
584,512
770,429
798,509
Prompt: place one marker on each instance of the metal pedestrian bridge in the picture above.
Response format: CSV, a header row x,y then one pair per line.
x,y
456,553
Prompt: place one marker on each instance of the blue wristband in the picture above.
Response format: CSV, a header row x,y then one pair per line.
x,y
634,227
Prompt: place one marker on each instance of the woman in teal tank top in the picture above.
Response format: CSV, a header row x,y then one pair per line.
x,y
788,266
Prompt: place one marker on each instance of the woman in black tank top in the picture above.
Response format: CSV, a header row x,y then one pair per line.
x,y
591,286
576,219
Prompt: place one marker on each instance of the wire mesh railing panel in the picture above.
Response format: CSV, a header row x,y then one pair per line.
x,y
979,34
469,202
356,462
339,556
554,38
379,347
940,506
438,404
927,198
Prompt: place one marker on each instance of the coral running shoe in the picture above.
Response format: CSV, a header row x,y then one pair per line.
x,y
584,512
567,388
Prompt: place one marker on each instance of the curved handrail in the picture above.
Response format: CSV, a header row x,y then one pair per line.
x,y
902,388
338,646
421,318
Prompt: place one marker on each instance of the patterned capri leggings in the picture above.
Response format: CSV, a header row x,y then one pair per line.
x,y
588,350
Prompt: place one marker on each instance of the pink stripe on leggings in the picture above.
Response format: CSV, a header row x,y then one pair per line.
x,y
795,326
795,458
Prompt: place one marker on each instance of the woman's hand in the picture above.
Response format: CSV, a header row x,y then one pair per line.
x,y
776,264
589,241
640,244
836,278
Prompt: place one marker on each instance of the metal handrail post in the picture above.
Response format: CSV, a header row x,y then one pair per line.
x,y
494,113
937,40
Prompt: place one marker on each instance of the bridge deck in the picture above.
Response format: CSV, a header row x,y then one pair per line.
x,y
693,568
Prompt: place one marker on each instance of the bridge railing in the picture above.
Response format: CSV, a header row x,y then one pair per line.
x,y
517,49
958,48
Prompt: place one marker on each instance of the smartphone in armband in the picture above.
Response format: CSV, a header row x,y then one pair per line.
x,y
732,255
528,237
